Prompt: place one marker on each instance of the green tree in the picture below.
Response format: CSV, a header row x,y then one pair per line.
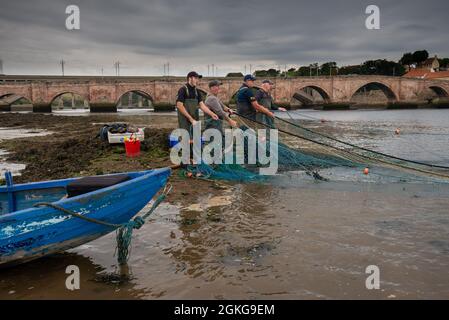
x,y
347,70
328,68
382,67
420,56
303,71
407,59
291,72
314,69
267,73
444,63
234,75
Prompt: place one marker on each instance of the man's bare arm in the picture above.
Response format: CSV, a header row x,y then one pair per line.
x,y
262,109
183,110
207,110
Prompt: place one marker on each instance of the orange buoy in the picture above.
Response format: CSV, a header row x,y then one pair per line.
x,y
397,131
189,174
366,171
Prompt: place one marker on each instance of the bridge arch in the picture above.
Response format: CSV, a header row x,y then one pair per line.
x,y
439,91
15,102
309,95
68,99
141,98
390,95
12,94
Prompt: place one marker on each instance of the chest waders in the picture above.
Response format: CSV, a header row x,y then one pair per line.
x,y
213,124
191,106
267,102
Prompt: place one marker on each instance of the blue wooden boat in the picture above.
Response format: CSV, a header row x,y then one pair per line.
x,y
28,232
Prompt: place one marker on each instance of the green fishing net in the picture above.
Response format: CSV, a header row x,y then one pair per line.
x,y
321,156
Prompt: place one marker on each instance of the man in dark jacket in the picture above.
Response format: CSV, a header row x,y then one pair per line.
x,y
189,101
247,104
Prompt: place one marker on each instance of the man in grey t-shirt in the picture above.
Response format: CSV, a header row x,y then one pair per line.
x,y
217,107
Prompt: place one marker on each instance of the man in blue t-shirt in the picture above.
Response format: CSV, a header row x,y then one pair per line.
x,y
247,104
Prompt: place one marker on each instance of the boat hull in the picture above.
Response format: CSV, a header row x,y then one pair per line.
x,y
36,232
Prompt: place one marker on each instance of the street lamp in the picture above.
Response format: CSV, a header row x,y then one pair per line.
x,y
330,70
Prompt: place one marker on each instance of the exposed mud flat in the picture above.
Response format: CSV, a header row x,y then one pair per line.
x,y
56,147
13,133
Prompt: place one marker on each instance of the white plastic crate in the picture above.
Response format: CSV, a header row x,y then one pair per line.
x,y
120,137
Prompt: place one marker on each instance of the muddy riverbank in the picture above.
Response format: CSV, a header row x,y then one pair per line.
x,y
74,149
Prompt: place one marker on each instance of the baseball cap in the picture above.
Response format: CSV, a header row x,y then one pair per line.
x,y
268,81
214,83
249,77
194,74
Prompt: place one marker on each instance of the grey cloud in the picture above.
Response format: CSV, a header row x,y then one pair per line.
x,y
144,34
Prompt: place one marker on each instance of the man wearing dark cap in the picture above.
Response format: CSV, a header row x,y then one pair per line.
x,y
264,98
247,104
217,107
188,101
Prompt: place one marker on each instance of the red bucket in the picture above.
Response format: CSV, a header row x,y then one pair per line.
x,y
132,147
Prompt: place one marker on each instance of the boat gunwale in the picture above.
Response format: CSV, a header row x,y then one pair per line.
x,y
139,175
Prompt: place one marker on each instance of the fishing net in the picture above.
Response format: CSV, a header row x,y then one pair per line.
x,y
320,155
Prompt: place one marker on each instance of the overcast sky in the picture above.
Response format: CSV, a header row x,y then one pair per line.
x,y
145,34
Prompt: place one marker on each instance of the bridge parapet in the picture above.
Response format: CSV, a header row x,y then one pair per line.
x,y
103,93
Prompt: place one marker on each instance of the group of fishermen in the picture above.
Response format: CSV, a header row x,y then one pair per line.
x,y
257,106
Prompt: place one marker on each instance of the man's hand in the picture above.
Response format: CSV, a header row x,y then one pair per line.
x,y
208,111
193,122
233,123
282,109
230,111
270,114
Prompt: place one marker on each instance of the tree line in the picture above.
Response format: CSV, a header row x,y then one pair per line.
x,y
370,67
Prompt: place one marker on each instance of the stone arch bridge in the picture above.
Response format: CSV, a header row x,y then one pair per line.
x,y
103,93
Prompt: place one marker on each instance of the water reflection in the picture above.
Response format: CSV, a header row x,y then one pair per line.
x,y
45,279
217,239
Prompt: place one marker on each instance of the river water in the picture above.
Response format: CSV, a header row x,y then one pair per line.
x,y
307,240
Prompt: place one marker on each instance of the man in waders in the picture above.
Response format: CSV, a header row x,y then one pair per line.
x,y
217,107
248,107
247,104
188,102
264,98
